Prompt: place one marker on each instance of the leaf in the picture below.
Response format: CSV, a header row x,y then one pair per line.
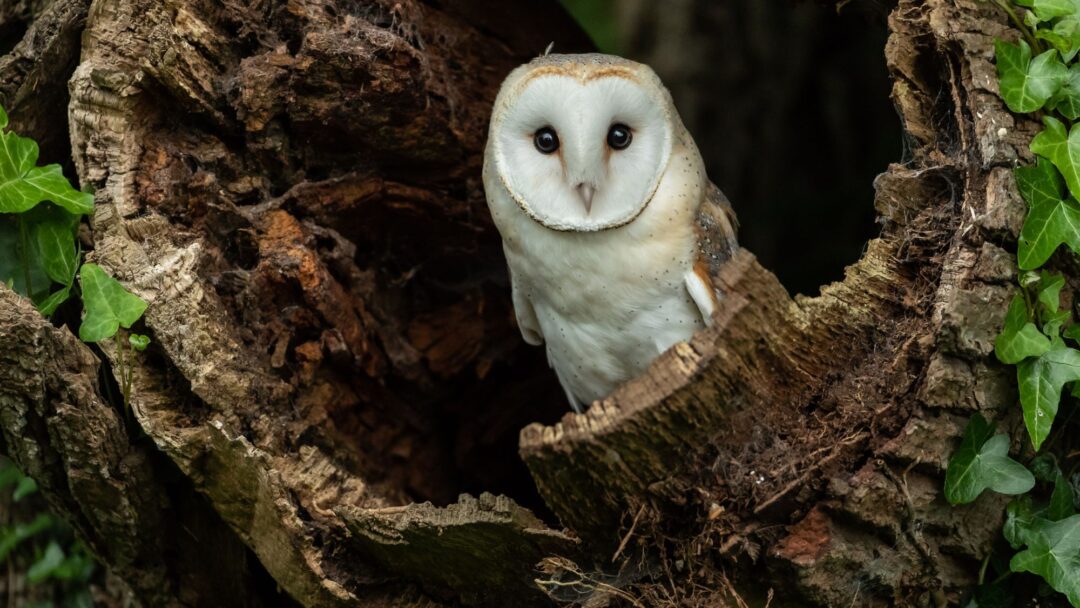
x,y
139,342
1067,98
1040,382
53,232
11,262
1047,226
46,564
28,486
1020,338
1027,84
49,305
1049,302
1065,36
23,184
9,473
1062,147
1019,518
1072,332
1045,467
1051,221
53,254
108,305
12,537
1061,500
1049,295
78,566
1040,182
983,462
1054,553
1046,10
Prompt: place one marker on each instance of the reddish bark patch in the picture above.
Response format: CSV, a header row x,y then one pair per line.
x,y
807,540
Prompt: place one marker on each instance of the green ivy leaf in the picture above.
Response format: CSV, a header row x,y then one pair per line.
x,y
53,254
1062,147
1020,338
1046,10
1040,182
77,566
1045,467
1054,553
1061,500
11,268
53,232
1049,302
1051,221
1067,99
1049,295
1020,515
1040,382
21,532
983,462
23,184
1047,226
46,564
28,486
1027,84
1065,36
139,342
1072,332
49,305
108,305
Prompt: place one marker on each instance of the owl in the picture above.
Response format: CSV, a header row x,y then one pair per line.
x,y
611,229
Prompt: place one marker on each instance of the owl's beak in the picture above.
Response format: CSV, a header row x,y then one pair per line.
x,y
586,191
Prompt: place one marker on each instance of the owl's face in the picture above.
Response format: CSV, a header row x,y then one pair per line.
x,y
581,141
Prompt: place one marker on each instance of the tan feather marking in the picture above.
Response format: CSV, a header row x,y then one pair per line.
x,y
715,226
701,269
582,74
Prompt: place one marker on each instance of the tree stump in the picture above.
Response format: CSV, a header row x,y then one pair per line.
x,y
294,188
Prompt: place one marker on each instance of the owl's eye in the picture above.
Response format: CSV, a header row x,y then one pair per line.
x,y
546,141
618,136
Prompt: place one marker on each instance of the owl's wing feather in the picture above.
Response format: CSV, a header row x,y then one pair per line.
x,y
702,293
526,315
715,226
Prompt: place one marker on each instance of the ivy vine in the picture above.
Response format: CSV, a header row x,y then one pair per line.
x,y
40,257
1040,73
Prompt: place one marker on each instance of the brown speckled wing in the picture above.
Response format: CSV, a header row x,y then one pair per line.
x,y
715,225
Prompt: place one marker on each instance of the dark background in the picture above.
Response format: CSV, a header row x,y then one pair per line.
x,y
789,105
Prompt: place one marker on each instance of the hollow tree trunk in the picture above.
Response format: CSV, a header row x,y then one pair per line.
x,y
293,187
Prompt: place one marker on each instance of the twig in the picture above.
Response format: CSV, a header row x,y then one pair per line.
x,y
629,533
1006,5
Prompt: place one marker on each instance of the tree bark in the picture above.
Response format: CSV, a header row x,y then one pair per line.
x,y
294,188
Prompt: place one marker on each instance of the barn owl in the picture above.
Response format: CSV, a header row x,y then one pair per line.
x,y
610,227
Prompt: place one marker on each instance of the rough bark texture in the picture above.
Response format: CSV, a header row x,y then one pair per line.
x,y
293,187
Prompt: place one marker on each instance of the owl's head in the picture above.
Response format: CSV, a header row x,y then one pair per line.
x,y
580,141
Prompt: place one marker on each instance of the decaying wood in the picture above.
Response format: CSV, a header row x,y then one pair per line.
x,y
293,187
33,75
124,500
485,549
305,236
